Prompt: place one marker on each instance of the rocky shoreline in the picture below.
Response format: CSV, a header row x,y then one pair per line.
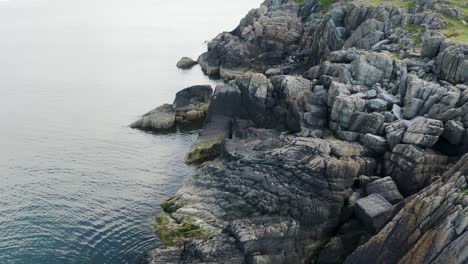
x,y
339,136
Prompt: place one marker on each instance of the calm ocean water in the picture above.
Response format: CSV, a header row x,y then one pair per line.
x,y
76,184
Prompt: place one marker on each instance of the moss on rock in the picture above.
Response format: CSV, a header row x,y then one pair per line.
x,y
170,206
173,233
204,151
299,2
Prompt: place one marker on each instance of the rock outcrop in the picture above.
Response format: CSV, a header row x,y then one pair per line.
x,y
332,140
160,119
431,227
190,106
272,190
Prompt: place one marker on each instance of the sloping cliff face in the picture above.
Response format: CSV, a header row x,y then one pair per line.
x,y
430,228
338,137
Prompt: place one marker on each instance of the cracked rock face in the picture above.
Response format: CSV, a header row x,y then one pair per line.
x,y
332,140
374,211
432,226
287,192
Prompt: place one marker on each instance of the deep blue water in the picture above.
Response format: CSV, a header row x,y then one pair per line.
x,y
76,184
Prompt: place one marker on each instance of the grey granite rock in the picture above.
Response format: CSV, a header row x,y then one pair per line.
x,y
226,103
160,119
413,168
378,105
394,133
374,211
281,187
262,177
423,132
191,104
385,187
376,143
453,132
431,46
186,63
430,227
452,63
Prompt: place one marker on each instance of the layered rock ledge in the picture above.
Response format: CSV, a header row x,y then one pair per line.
x,y
339,136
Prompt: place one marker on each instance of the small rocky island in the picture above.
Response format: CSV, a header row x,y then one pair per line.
x,y
339,136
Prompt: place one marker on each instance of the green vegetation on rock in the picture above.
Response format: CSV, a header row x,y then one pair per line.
x,y
325,4
203,151
397,3
172,233
299,2
456,30
463,4
417,31
464,192
170,206
397,56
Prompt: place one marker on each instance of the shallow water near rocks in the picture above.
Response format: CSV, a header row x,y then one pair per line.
x,y
76,184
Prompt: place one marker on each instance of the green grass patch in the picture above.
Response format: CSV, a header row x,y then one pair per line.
x,y
417,31
397,56
170,206
397,3
455,30
173,234
463,4
325,4
287,133
299,2
464,192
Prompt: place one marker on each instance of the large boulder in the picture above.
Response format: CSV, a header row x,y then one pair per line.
x,y
431,46
190,107
374,211
186,63
371,68
431,100
387,188
424,132
376,143
453,132
160,119
264,37
226,103
191,104
412,167
394,133
452,62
